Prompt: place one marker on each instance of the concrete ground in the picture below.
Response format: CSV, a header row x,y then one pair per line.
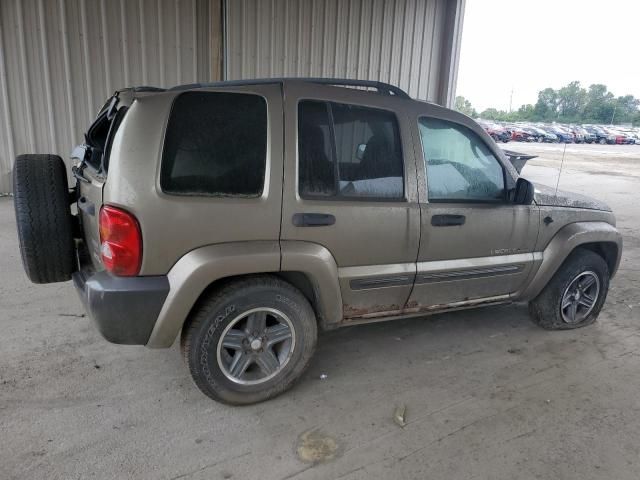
x,y
488,395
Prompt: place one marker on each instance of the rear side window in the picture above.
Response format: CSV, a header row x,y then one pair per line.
x,y
215,145
348,151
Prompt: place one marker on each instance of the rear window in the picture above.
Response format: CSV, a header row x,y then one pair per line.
x,y
215,145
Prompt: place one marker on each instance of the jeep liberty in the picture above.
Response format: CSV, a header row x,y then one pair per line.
x,y
244,216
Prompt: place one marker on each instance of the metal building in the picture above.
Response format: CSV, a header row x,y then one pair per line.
x,y
60,59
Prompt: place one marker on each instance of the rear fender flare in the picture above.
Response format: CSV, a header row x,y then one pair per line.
x,y
198,269
320,268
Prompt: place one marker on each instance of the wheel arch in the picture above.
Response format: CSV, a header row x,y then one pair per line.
x,y
600,237
202,269
609,251
307,266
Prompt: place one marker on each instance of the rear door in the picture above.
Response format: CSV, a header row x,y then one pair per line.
x,y
350,186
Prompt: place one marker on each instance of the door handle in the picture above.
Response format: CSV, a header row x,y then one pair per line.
x,y
447,220
313,219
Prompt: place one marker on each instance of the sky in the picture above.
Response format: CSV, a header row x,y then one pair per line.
x,y
526,46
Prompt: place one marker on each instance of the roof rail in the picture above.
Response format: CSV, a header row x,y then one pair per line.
x,y
381,87
384,88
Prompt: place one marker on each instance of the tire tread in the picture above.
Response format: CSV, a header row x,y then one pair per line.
x,y
43,217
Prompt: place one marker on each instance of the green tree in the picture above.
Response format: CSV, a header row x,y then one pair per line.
x,y
600,105
464,106
492,114
571,100
626,109
570,104
526,112
546,107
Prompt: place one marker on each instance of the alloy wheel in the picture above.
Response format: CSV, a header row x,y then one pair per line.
x,y
256,346
580,297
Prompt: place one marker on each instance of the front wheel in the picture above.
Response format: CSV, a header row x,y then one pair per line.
x,y
575,295
250,340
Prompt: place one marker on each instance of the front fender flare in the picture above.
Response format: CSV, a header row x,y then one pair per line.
x,y
563,243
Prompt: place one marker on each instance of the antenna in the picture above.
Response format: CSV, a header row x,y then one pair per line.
x,y
560,172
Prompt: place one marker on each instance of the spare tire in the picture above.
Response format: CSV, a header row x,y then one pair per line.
x,y
43,217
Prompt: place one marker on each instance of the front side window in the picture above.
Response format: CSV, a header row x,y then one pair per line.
x,y
216,145
348,151
460,166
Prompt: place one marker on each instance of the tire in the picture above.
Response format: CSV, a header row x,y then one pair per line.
x,y
582,265
43,218
602,141
212,366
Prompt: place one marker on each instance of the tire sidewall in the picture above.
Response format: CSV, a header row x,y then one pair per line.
x,y
548,306
203,358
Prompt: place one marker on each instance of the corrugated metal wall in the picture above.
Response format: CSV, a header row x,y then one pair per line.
x,y
60,60
395,41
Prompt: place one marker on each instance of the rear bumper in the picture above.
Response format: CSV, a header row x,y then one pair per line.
x,y
125,309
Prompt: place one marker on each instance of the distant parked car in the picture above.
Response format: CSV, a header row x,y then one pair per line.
x,y
578,135
544,135
588,136
564,136
534,135
521,134
601,136
623,138
497,132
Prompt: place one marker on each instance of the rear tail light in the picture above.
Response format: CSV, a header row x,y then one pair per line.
x,y
120,241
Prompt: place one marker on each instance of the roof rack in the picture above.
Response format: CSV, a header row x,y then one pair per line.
x,y
381,87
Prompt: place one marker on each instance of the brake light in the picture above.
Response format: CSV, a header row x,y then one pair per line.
x,y
120,241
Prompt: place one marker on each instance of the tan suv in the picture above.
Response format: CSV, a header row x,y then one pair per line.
x,y
244,216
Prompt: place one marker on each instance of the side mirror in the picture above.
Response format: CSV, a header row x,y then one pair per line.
x,y
524,192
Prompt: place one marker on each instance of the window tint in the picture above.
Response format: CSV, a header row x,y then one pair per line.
x,y
216,144
348,151
459,164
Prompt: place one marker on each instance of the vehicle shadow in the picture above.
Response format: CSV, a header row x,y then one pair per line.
x,y
415,342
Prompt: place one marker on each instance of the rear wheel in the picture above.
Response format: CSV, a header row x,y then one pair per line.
x,y
43,217
249,341
575,295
